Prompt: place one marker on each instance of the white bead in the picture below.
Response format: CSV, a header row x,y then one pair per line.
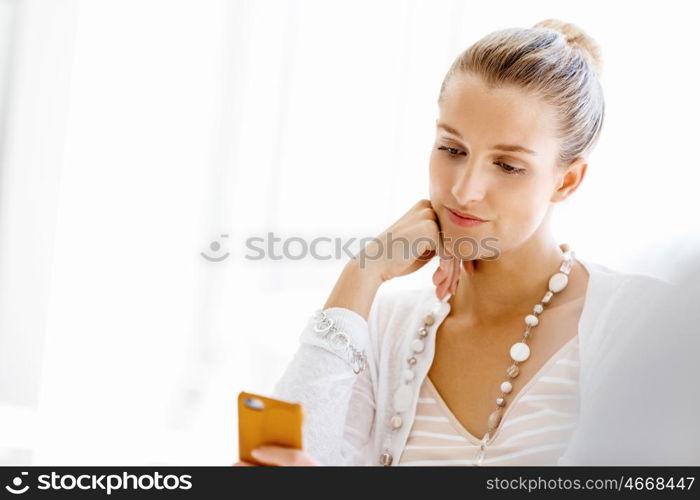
x,y
408,374
402,398
547,297
531,320
506,387
519,351
558,282
417,345
396,422
538,308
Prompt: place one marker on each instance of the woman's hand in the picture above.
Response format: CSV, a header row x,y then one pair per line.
x,y
415,239
447,275
405,246
279,456
419,229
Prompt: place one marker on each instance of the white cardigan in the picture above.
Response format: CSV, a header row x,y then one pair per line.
x,y
347,415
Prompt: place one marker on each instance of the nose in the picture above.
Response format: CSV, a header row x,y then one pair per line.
x,y
470,185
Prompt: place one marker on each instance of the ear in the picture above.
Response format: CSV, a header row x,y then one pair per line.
x,y
569,179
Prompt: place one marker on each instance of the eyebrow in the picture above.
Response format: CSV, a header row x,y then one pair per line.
x,y
503,147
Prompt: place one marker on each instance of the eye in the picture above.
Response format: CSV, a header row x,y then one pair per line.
x,y
509,169
452,151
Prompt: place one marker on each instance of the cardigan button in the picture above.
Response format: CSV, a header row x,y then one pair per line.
x,y
385,459
396,422
417,345
402,398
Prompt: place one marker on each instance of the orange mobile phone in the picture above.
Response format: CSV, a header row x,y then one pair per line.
x,y
263,420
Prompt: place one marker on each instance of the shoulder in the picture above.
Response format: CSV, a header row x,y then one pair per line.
x,y
610,281
398,305
616,298
399,301
394,309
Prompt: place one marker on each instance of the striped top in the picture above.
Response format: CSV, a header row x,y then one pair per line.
x,y
535,428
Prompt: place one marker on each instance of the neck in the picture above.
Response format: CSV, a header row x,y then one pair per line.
x,y
507,286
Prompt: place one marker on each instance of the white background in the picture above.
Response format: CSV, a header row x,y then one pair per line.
x,y
135,133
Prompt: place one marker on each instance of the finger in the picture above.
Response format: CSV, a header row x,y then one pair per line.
x,y
438,292
446,265
442,251
441,290
441,248
439,276
445,258
281,455
243,463
469,266
455,272
442,282
455,277
450,276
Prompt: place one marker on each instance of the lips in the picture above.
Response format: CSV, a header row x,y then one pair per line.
x,y
465,215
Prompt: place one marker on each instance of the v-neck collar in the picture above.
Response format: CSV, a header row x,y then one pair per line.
x,y
583,323
513,404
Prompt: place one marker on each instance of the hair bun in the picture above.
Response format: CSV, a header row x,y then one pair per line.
x,y
578,39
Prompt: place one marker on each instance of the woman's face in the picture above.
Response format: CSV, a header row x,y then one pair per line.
x,y
475,169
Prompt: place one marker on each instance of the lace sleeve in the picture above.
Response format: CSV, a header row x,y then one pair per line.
x,y
338,404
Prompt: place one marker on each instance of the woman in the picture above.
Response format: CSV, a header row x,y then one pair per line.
x,y
484,368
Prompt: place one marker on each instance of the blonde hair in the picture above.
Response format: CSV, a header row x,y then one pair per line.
x,y
554,60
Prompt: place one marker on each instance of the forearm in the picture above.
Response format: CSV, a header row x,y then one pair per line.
x,y
355,289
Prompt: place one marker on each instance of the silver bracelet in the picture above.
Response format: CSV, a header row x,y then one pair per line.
x,y
338,340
